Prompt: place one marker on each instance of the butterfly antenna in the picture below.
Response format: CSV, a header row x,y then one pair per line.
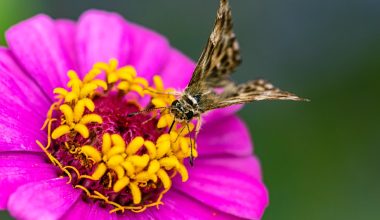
x,y
145,111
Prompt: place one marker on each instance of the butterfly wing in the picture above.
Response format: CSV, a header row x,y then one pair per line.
x,y
255,90
221,55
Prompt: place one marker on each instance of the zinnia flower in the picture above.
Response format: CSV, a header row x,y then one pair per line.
x,y
79,81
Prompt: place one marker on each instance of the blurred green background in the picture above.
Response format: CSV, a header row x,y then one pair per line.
x,y
320,159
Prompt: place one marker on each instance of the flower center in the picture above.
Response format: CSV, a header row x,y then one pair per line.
x,y
121,161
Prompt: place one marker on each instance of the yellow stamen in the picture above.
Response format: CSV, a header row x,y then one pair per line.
x,y
84,189
121,184
164,177
87,89
60,91
129,168
109,180
142,177
151,148
138,89
136,193
118,140
72,74
92,152
74,169
135,145
163,148
139,161
90,76
82,129
154,166
183,172
169,162
159,103
112,78
60,131
100,83
114,161
106,146
127,73
91,118
80,108
141,81
123,86
100,171
158,83
120,172
68,112
49,132
115,150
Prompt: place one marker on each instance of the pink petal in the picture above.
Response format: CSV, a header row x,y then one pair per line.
x,y
20,85
35,44
178,205
88,211
227,136
247,164
48,199
18,128
23,107
178,70
150,50
66,32
218,114
226,189
18,169
101,36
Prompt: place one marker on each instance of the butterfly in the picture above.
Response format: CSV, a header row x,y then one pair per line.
x,y
211,87
213,71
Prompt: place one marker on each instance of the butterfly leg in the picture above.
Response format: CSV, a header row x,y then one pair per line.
x,y
198,126
191,146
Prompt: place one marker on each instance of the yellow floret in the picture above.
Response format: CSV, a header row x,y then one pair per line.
x,y
135,145
60,131
121,184
136,193
91,152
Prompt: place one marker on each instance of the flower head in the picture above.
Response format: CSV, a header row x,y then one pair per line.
x,y
79,81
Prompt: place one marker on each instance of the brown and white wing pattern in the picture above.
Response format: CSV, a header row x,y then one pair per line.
x,y
221,55
255,90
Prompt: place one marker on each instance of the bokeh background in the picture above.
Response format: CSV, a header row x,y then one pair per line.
x,y
320,159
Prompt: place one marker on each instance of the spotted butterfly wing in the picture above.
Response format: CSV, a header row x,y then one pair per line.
x,y
254,90
221,55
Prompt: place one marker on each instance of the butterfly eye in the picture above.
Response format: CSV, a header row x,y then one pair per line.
x,y
175,103
189,115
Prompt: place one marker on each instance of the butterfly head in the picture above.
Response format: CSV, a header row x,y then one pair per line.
x,y
186,107
182,111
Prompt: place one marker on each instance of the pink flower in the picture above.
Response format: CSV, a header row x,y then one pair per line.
x,y
225,182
